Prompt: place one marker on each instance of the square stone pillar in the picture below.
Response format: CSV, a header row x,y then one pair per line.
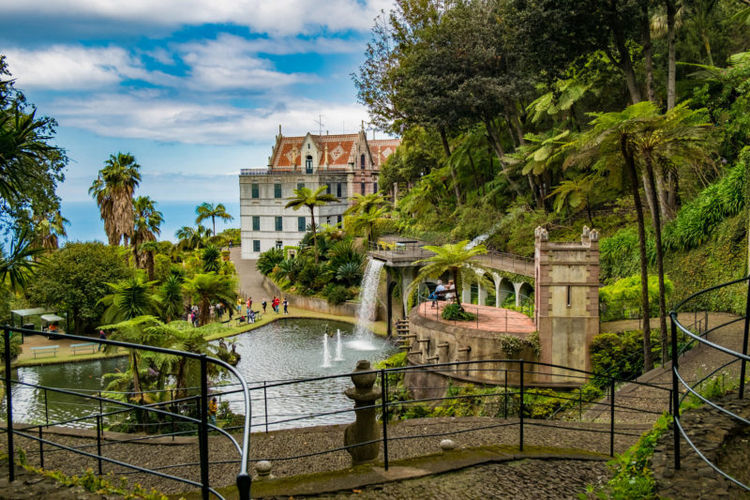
x,y
567,299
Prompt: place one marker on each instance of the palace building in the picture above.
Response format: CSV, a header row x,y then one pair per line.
x,y
345,164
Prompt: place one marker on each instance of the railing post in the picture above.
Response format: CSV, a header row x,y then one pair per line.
x,y
520,410
41,448
99,442
46,408
384,407
203,430
9,407
675,392
580,404
744,342
243,486
612,417
506,394
265,405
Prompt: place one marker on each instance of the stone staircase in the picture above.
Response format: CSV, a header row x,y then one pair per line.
x,y
403,338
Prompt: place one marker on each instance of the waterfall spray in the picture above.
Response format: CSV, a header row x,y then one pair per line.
x,y
367,307
339,348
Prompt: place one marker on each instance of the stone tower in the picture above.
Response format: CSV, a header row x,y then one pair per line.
x,y
567,298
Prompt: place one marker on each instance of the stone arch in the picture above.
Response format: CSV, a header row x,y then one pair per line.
x,y
504,290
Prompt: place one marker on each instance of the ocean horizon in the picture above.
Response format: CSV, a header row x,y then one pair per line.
x,y
86,225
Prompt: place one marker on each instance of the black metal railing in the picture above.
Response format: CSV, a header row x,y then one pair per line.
x,y
199,425
690,389
514,397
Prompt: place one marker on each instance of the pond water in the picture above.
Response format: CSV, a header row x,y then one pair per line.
x,y
282,351
294,349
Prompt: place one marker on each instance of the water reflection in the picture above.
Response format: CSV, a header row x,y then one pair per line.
x,y
285,350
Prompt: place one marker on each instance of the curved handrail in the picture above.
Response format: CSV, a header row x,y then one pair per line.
x,y
243,478
678,380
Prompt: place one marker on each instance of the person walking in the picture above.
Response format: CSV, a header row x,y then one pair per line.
x,y
213,408
275,304
286,306
264,306
102,336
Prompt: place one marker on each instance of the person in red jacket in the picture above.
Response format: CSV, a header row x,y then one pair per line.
x,y
275,304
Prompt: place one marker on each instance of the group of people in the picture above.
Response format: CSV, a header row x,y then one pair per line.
x,y
251,315
443,292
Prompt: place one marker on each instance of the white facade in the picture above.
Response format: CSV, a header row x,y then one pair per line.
x,y
345,163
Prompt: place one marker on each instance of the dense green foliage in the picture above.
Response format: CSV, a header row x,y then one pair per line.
x,y
622,299
76,277
336,275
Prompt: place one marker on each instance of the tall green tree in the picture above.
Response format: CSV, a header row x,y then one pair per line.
x,y
48,229
74,278
191,237
113,191
305,197
211,211
146,227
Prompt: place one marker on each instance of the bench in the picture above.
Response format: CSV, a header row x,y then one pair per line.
x,y
90,346
45,350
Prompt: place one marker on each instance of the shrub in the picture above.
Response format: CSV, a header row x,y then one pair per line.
x,y
268,260
336,294
454,312
618,355
622,299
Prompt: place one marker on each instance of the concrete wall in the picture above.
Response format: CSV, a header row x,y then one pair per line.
x,y
567,298
449,344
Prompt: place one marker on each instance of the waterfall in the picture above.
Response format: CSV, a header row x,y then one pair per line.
x,y
367,306
339,353
326,354
483,237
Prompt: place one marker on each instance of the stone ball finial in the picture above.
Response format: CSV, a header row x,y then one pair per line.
x,y
585,233
541,234
594,235
263,468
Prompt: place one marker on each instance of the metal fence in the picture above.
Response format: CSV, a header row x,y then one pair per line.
x,y
165,410
680,384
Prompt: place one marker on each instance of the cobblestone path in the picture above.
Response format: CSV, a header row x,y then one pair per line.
x,y
524,479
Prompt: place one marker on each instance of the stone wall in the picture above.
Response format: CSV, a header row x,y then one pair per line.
x,y
437,342
567,298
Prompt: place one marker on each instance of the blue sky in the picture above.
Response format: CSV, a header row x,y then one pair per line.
x,y
195,89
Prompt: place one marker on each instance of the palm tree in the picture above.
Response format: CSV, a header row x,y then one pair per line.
x,y
208,210
363,203
679,137
171,297
19,263
367,223
48,228
22,138
146,222
210,258
452,258
191,237
305,197
129,299
113,191
210,288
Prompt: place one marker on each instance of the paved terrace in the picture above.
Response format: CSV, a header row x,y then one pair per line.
x,y
489,319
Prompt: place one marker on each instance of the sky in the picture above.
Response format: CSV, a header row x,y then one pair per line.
x,y
194,89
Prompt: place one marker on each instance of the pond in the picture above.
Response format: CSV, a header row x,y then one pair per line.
x,y
281,351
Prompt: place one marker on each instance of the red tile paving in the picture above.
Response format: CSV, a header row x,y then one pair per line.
x,y
491,319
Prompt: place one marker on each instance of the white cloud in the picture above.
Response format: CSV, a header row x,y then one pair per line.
x,y
229,62
71,67
264,16
139,117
